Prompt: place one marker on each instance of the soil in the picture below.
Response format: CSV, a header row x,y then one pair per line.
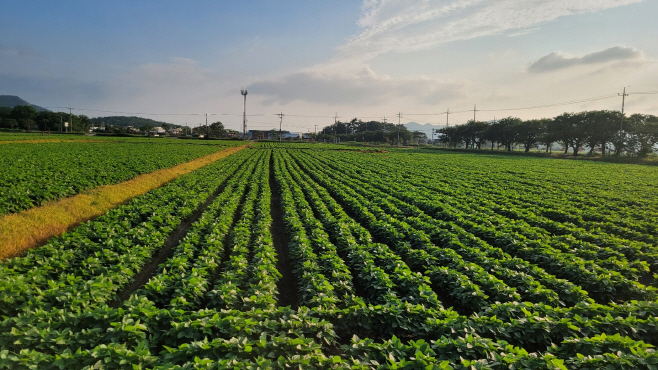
x,y
150,268
287,285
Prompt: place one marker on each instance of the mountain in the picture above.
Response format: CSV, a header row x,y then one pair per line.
x,y
125,121
426,128
13,100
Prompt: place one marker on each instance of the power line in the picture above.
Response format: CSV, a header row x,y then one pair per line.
x,y
280,123
448,112
623,99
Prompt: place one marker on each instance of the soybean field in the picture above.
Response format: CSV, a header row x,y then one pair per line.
x,y
334,257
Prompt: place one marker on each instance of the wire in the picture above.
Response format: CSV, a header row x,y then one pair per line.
x,y
366,117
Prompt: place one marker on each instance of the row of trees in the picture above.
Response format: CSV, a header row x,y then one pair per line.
x,y
371,131
25,117
635,135
215,129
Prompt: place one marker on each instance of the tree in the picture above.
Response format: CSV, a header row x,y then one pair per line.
x,y
478,130
418,136
24,115
47,120
216,129
545,136
601,127
528,133
507,131
644,128
451,135
83,123
492,134
560,129
9,122
146,128
578,131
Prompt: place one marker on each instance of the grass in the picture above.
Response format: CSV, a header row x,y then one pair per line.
x,y
31,228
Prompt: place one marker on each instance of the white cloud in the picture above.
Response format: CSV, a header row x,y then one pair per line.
x,y
8,52
180,71
398,26
363,87
557,60
401,25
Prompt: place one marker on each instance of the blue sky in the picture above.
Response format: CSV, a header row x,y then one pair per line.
x,y
175,60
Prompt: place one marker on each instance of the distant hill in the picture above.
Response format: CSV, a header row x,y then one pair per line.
x,y
426,128
13,100
124,121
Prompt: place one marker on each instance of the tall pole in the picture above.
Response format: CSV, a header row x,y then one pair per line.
x,y
399,115
315,138
207,132
70,118
432,137
335,124
474,110
244,114
280,123
623,98
447,114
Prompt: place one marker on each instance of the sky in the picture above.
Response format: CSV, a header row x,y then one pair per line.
x,y
177,61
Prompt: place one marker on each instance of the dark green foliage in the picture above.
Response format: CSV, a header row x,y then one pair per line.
x,y
422,261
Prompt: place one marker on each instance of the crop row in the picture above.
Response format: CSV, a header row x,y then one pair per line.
x,y
456,278
37,173
494,229
586,239
369,260
560,192
90,264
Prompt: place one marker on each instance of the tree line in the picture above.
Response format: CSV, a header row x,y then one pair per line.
x,y
26,117
601,130
370,131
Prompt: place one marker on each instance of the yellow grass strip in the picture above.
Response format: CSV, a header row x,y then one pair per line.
x,y
31,228
38,141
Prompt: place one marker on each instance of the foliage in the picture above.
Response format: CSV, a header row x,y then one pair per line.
x,y
400,260
37,173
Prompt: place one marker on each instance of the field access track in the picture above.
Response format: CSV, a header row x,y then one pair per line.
x,y
32,227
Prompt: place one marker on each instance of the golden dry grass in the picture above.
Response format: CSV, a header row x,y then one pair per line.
x,y
38,141
31,228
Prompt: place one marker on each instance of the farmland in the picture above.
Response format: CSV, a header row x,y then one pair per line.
x,y
37,173
314,256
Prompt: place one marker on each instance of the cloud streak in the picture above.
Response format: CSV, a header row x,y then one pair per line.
x,y
557,60
361,88
398,26
48,90
401,26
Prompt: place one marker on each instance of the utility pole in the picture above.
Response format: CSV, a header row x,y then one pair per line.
x,y
244,114
399,115
280,123
207,132
623,98
315,138
447,114
474,110
335,123
432,137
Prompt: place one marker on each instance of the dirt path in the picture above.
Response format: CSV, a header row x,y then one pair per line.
x,y
287,285
33,227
